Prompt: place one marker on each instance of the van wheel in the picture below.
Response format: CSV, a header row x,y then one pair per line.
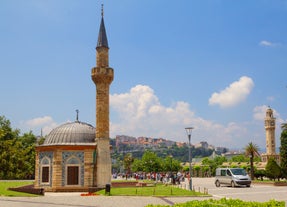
x,y
217,183
248,186
232,184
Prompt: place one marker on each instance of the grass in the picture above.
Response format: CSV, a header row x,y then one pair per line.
x,y
4,185
158,190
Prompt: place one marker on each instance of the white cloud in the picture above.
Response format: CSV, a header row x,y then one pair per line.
x,y
140,113
259,112
266,43
234,94
39,121
45,123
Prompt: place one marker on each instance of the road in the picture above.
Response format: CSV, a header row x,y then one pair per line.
x,y
257,192
254,193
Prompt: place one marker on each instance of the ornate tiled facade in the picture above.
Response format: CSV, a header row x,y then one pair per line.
x,y
73,154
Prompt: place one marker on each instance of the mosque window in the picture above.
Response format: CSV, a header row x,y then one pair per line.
x,y
45,174
45,170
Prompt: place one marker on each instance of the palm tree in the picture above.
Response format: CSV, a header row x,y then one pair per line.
x,y
251,150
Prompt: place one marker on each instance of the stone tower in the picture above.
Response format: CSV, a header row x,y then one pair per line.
x,y
102,76
270,136
270,132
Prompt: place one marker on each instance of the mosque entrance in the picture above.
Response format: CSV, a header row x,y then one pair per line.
x,y
73,175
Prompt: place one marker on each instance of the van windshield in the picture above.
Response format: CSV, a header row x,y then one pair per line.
x,y
238,171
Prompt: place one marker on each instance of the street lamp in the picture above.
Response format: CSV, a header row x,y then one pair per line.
x,y
171,174
188,132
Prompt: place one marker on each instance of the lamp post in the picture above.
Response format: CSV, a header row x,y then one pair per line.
x,y
171,174
188,132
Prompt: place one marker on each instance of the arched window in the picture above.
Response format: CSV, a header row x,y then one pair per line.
x,y
73,171
45,170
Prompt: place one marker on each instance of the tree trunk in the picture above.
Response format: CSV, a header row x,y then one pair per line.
x,y
251,168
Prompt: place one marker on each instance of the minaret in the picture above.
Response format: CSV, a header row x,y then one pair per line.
x,y
270,132
102,76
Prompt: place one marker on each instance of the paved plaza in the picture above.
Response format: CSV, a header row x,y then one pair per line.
x,y
254,193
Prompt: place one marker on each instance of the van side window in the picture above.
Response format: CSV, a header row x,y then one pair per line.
x,y
223,172
228,173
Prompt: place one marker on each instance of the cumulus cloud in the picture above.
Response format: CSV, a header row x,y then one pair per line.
x,y
266,43
140,113
234,94
45,123
39,121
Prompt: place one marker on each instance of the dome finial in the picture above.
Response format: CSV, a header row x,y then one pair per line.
x,y
77,117
102,10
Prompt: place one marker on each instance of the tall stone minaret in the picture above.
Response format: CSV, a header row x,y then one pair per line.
x,y
102,76
270,132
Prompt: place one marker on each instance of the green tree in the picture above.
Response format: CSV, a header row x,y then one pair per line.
x,y
272,169
283,150
137,166
128,161
251,150
239,158
17,153
259,174
151,162
213,163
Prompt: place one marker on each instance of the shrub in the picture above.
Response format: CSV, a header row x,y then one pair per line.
x,y
225,202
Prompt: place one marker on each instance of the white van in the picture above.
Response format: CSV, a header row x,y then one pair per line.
x,y
232,177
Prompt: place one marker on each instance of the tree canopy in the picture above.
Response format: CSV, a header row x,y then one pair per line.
x,y
272,169
17,152
283,150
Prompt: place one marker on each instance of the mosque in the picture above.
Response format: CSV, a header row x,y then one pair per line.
x,y
76,156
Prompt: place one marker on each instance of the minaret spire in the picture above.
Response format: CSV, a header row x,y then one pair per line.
x,y
102,38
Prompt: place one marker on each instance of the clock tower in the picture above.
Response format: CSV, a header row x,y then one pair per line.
x,y
269,124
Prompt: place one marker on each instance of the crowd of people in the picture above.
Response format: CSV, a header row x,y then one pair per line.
x,y
170,177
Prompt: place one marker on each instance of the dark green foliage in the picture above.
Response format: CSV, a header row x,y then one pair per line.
x,y
283,152
272,169
259,174
17,153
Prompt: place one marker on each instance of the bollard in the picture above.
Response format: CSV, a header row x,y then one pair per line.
x,y
108,189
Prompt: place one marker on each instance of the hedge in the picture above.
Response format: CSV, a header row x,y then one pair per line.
x,y
225,202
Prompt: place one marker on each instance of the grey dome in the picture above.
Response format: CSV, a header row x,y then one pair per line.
x,y
74,133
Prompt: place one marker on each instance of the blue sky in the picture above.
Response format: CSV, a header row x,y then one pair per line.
x,y
215,65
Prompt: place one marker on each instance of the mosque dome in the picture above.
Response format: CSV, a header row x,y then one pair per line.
x,y
72,133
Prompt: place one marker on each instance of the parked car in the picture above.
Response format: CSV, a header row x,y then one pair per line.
x,y
232,177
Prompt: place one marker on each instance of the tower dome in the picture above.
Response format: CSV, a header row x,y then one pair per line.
x,y
73,133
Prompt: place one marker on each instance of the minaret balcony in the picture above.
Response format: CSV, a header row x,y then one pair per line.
x,y
102,75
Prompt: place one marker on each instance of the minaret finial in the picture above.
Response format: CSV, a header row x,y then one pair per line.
x,y
102,10
77,118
